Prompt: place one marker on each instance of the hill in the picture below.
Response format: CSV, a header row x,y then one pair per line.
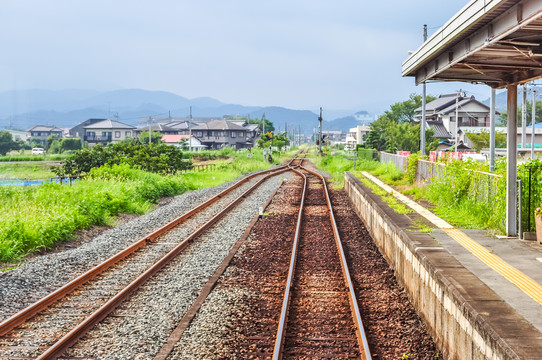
x,y
24,109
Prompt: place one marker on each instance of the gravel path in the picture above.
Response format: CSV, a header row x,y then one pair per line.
x,y
139,328
43,274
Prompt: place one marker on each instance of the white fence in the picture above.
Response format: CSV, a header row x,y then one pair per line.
x,y
399,161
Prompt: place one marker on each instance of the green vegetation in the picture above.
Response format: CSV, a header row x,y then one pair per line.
x,y
462,195
28,171
159,158
395,130
27,156
37,217
420,226
481,140
7,143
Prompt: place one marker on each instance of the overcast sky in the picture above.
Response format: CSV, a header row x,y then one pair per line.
x,y
299,54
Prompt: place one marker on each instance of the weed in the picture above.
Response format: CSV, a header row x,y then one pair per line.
x,y
422,227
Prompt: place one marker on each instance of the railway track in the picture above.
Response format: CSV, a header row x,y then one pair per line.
x,y
319,316
80,305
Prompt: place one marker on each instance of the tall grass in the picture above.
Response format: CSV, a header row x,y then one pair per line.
x,y
28,171
37,217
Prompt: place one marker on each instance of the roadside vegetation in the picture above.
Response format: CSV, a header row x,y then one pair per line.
x,y
460,196
37,217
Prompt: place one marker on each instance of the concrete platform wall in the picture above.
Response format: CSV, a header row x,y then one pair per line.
x,y
453,303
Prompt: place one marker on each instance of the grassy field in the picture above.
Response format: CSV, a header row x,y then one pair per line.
x,y
22,170
36,217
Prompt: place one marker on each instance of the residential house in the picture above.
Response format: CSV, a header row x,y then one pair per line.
x,y
78,131
19,134
356,136
176,140
440,115
161,128
335,136
217,134
107,131
40,133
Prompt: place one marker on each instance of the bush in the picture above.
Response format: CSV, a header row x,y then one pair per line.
x,y
159,158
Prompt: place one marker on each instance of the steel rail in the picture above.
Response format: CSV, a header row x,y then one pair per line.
x,y
360,331
281,331
42,304
69,339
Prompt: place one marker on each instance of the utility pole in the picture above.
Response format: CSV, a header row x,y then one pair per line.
x,y
492,130
533,122
422,125
150,122
457,120
320,135
190,131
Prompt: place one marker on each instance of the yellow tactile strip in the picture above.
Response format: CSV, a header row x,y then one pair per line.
x,y
516,277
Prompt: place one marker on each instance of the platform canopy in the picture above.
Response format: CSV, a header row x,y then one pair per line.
x,y
496,42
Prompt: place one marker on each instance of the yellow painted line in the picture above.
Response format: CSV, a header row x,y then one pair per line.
x,y
516,277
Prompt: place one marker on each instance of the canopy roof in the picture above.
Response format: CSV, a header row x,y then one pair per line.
x,y
497,42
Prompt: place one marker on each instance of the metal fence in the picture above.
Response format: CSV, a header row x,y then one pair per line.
x,y
400,162
482,186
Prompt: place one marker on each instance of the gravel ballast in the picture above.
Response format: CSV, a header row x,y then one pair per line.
x,y
140,326
41,275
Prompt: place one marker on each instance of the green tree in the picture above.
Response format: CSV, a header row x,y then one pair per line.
x,y
6,142
395,129
405,111
503,117
54,147
160,158
156,137
481,140
50,140
70,144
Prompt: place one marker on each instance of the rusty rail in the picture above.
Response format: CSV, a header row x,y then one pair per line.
x,y
360,331
69,339
281,331
42,304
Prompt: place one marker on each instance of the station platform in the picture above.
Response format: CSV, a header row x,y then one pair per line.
x,y
489,287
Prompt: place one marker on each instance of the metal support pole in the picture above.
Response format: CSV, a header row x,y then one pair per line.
x,y
520,211
492,130
457,120
422,123
511,163
524,118
533,123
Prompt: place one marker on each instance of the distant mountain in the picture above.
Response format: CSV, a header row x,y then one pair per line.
x,y
501,98
24,109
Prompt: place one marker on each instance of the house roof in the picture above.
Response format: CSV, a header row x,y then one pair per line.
x,y
181,124
442,101
157,127
439,129
445,104
109,124
219,125
45,128
252,127
174,138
